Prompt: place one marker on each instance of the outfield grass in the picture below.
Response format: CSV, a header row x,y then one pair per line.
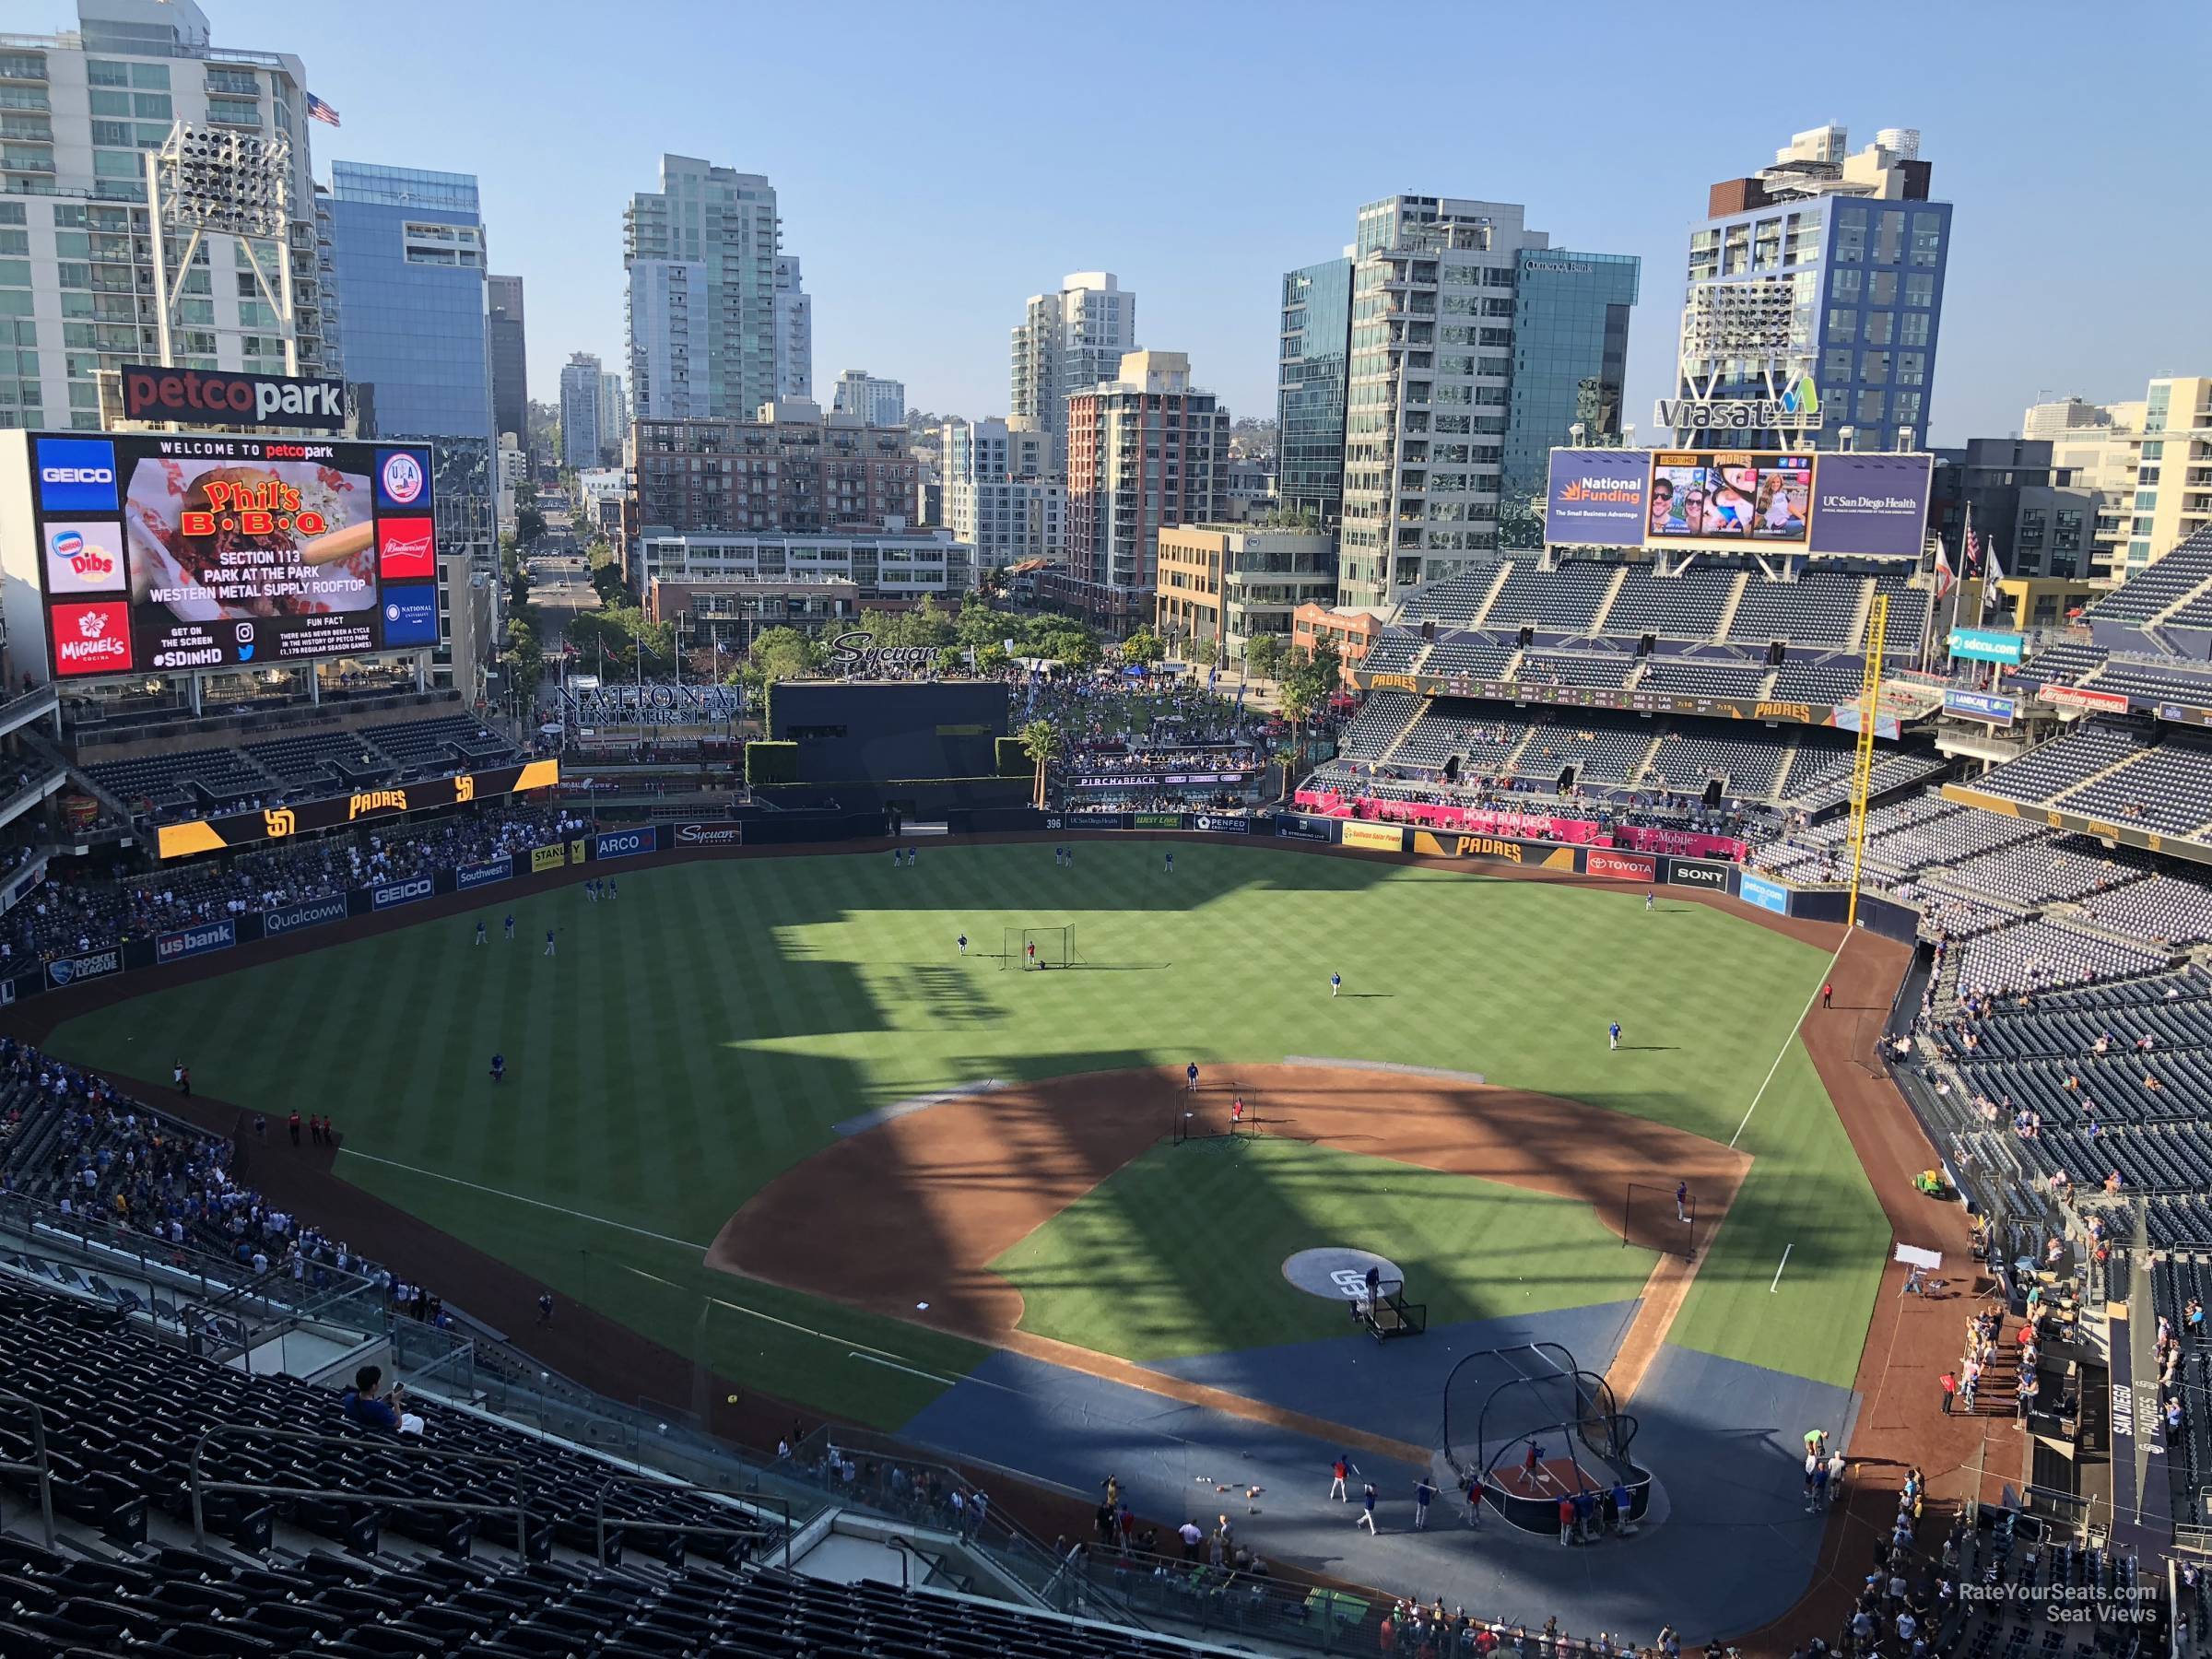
x,y
702,1032
1181,1252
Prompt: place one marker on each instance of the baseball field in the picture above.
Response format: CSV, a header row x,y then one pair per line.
x,y
707,1129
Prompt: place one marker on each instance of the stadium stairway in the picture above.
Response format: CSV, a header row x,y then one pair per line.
x,y
1605,602
1489,596
1420,707
1728,607
1862,618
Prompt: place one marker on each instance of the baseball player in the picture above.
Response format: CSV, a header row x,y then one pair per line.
x,y
1029,955
511,926
1613,1035
1191,1075
962,943
549,941
1335,983
1682,1201
479,930
1647,900
498,1068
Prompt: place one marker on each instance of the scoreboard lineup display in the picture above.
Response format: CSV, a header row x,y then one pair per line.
x,y
162,552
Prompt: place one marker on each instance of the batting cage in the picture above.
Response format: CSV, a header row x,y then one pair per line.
x,y
1029,948
1530,1427
1663,1217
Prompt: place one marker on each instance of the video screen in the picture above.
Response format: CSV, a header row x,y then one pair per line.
x,y
1729,496
173,552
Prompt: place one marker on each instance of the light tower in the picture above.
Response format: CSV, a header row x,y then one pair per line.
x,y
231,183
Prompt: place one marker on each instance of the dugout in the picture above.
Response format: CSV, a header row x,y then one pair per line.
x,y
923,748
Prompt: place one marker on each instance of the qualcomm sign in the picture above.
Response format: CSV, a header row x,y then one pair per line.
x,y
1792,406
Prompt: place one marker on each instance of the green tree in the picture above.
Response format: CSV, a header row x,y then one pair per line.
x,y
1061,641
607,581
1040,742
779,654
1264,655
1309,679
529,526
1143,646
978,625
990,657
928,624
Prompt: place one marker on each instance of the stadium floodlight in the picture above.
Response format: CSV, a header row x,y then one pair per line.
x,y
206,181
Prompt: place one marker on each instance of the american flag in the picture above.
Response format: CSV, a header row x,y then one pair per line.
x,y
319,111
1973,552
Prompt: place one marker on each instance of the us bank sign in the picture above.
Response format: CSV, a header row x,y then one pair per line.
x,y
1793,406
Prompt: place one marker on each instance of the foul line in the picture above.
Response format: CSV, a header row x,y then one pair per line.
x,y
559,1209
1783,1051
1786,1261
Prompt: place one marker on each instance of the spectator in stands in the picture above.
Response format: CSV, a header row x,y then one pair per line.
x,y
362,1406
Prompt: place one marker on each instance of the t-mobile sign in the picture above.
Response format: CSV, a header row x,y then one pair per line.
x,y
1870,503
1597,497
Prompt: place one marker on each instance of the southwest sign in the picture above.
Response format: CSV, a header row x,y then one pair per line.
x,y
207,398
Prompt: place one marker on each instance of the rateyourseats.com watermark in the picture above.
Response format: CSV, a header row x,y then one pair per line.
x,y
2068,1603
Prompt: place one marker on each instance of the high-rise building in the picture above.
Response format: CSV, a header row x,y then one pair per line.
x,y
1067,343
1310,390
878,402
2147,464
1570,358
1821,274
1438,378
700,253
1145,452
2064,419
78,113
795,469
794,333
580,378
407,251
614,418
997,496
509,358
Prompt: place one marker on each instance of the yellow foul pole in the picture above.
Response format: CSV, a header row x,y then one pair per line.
x,y
1862,765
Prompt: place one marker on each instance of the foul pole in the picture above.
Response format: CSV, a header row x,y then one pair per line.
x,y
1862,764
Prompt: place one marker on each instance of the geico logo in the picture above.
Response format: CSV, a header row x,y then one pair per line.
x,y
377,800
77,475
1483,844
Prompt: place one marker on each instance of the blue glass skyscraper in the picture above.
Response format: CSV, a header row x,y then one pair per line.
x,y
1309,388
1571,357
408,250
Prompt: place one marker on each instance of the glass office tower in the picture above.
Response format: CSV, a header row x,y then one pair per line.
x,y
1310,386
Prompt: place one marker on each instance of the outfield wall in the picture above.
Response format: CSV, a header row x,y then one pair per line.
x,y
610,847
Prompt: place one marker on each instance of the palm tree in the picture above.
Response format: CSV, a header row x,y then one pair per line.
x,y
1040,741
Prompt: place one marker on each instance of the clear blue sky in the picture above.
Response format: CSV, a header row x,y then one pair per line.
x,y
935,164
